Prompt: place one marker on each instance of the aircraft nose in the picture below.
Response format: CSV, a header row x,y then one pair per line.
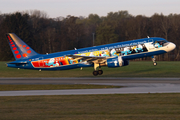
x,y
171,46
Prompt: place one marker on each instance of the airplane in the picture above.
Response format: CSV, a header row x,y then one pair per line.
x,y
111,55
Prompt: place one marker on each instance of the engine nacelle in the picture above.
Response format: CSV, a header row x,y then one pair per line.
x,y
117,62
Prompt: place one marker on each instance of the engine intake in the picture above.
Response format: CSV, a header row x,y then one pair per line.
x,y
117,62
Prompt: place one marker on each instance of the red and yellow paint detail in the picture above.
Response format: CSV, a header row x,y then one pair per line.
x,y
96,53
53,62
16,51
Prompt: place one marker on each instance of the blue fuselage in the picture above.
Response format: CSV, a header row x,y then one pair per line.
x,y
60,61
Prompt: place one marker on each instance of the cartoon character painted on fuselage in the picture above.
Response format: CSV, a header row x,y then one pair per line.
x,y
105,53
140,48
126,51
157,45
51,62
113,52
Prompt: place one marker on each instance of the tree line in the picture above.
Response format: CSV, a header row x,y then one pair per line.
x,y
48,35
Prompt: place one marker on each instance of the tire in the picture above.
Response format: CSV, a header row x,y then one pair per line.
x,y
155,63
95,73
100,72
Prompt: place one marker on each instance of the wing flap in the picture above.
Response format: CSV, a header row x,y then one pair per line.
x,y
89,59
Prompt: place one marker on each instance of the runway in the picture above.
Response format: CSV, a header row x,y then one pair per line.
x,y
131,85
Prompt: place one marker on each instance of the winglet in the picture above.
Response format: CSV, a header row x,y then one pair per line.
x,y
19,48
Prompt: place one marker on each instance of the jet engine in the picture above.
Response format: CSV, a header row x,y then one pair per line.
x,y
117,62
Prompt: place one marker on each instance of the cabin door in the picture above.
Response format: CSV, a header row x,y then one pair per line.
x,y
150,44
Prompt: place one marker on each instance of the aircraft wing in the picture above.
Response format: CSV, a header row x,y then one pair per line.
x,y
90,59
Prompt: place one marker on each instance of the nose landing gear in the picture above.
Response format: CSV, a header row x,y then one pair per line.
x,y
154,61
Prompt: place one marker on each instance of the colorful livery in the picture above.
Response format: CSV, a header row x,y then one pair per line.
x,y
111,55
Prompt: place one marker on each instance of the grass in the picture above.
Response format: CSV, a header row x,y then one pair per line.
x,y
52,87
92,107
135,69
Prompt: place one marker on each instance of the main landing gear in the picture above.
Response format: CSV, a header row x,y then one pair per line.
x,y
154,61
97,72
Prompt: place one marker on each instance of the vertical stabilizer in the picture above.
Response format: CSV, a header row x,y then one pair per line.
x,y
19,48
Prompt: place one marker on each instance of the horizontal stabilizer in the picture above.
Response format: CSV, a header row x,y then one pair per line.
x,y
18,62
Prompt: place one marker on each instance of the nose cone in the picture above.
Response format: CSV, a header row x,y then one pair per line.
x,y
171,46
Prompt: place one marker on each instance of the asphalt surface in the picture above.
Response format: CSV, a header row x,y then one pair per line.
x,y
131,85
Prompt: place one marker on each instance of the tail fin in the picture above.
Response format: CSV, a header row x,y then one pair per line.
x,y
20,49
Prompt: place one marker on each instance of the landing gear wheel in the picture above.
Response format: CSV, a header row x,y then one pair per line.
x,y
155,63
100,72
95,73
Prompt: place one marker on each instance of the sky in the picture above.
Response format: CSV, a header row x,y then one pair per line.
x,y
57,8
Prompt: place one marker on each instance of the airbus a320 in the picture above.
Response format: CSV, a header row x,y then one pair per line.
x,y
111,55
